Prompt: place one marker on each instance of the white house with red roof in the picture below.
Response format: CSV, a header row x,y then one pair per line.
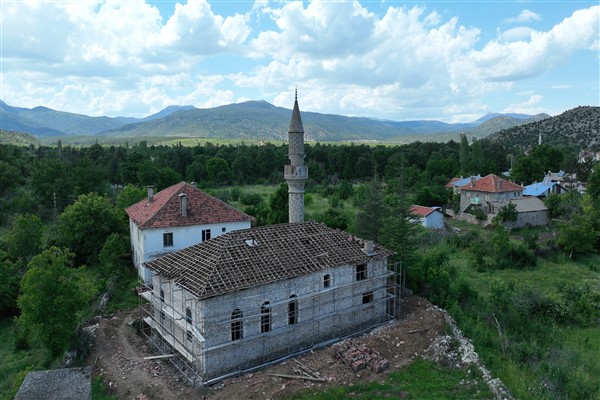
x,y
489,188
175,218
429,217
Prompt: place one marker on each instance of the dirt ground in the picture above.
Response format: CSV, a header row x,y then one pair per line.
x,y
119,351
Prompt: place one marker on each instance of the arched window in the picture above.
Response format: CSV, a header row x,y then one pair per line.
x,y
236,324
292,310
265,317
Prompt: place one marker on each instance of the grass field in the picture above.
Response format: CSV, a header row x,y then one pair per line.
x,y
424,380
15,364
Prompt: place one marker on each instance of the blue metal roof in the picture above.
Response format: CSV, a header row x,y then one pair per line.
x,y
538,188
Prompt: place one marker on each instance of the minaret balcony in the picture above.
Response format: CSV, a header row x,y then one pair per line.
x,y
295,172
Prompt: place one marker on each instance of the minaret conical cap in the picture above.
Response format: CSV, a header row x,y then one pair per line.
x,y
296,121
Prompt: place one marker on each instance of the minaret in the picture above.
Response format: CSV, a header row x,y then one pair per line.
x,y
296,173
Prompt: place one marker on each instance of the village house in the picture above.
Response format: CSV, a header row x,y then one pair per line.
x,y
429,217
477,193
254,296
175,218
491,193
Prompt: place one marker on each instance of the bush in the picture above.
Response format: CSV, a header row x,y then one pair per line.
x,y
250,199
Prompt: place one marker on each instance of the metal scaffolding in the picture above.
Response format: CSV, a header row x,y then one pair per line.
x,y
172,332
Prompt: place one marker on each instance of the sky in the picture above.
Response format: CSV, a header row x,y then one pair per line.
x,y
452,61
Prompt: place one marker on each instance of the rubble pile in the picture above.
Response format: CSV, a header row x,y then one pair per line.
x,y
442,351
359,356
468,356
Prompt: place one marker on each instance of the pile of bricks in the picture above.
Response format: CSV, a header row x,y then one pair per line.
x,y
359,356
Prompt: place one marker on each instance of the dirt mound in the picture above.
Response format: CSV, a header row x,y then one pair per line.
x,y
119,352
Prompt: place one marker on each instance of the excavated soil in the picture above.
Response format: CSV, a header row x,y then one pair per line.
x,y
119,351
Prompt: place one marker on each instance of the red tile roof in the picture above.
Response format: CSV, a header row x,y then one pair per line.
x,y
421,210
492,184
165,209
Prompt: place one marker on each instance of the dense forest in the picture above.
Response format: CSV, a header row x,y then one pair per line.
x,y
64,237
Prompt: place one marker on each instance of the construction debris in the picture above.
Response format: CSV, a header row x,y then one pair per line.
x,y
359,356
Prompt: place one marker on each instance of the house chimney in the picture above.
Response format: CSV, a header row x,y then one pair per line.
x,y
150,193
194,184
183,202
472,182
368,248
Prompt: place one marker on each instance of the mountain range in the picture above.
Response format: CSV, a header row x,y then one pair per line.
x,y
251,120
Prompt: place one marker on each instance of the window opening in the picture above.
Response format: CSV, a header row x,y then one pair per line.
x,y
168,239
265,318
236,324
205,234
162,296
327,280
361,272
188,315
189,335
367,297
292,310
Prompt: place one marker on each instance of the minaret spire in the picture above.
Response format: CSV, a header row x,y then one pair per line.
x,y
296,173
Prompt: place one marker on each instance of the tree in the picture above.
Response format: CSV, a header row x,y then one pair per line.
x,y
25,238
399,230
218,170
51,299
334,218
464,154
51,182
84,226
167,177
113,256
130,195
593,187
278,205
10,275
508,213
577,236
372,210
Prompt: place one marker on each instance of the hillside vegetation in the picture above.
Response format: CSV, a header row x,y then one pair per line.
x,y
579,127
18,138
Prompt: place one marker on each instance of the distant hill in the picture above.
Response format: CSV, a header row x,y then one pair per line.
x,y
263,121
251,120
578,127
501,122
18,138
257,120
43,121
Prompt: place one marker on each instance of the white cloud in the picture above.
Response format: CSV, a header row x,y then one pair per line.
x,y
530,106
123,58
515,35
195,29
499,61
524,16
